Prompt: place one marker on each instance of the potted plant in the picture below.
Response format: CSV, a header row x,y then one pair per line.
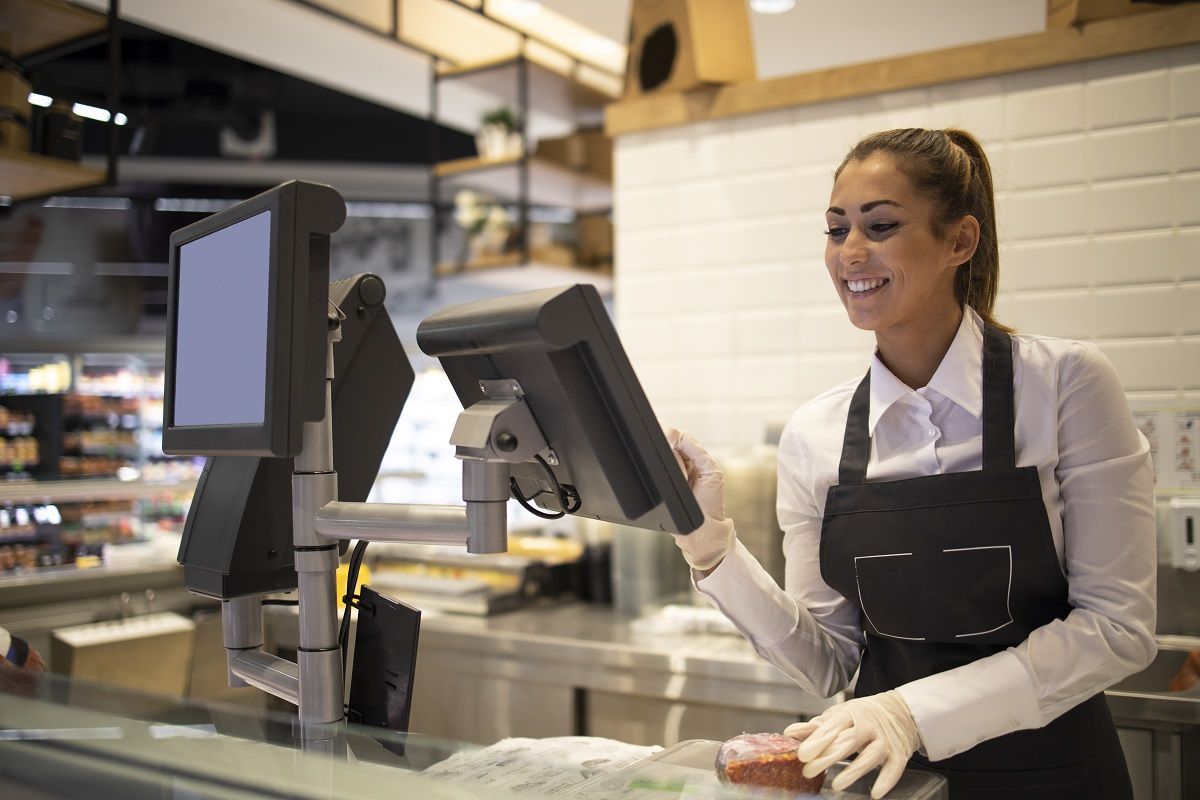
x,y
498,137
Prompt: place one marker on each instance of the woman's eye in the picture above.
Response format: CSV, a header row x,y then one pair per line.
x,y
835,232
882,227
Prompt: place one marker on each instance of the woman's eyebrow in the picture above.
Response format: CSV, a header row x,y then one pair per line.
x,y
864,208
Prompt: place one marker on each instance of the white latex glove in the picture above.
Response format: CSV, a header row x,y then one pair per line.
x,y
879,728
705,547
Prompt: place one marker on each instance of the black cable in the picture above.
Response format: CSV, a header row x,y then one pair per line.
x,y
565,496
351,584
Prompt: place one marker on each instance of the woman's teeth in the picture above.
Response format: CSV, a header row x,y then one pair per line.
x,y
862,286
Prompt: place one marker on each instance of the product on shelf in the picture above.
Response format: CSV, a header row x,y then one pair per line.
x,y
18,447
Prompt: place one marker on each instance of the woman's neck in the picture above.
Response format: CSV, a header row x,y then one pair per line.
x,y
913,352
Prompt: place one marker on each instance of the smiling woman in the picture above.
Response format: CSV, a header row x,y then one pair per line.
x,y
983,605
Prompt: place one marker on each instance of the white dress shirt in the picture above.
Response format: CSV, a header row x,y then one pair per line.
x,y
1073,423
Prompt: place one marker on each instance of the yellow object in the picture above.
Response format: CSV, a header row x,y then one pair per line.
x,y
343,573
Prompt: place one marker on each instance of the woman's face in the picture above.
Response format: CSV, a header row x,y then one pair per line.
x,y
891,269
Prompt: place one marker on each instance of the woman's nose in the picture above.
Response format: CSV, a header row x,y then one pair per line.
x,y
853,249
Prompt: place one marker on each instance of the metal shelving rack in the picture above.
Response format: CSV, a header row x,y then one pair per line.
x,y
50,29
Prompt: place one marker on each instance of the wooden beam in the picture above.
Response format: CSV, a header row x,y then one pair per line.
x,y
1170,27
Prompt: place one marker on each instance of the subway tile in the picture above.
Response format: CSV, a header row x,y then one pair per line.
x,y
703,378
650,163
764,194
1190,363
1185,91
1130,258
1039,163
705,201
976,106
1130,312
646,251
752,418
999,161
1051,264
772,239
710,149
813,187
766,330
761,376
642,208
646,338
766,285
1145,365
820,371
1127,90
705,245
1127,99
826,327
1068,315
824,133
1129,152
761,141
657,377
1189,308
1045,213
1045,112
903,109
814,285
708,333
1186,254
1187,199
1131,205
708,421
1185,145
706,289
641,295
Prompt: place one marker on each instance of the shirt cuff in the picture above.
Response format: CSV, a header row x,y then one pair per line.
x,y
958,709
748,595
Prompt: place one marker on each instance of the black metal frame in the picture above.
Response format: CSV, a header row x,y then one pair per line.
x,y
113,95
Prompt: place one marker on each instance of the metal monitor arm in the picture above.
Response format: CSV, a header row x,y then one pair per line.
x,y
489,436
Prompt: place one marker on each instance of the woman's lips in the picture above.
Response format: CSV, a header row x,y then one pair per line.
x,y
864,287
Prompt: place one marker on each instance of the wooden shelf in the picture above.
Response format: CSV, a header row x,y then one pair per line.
x,y
552,93
1152,30
25,175
66,491
35,25
550,184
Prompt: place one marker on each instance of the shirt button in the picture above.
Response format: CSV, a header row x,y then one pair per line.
x,y
933,433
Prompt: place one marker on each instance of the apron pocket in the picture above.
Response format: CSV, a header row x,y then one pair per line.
x,y
976,586
893,593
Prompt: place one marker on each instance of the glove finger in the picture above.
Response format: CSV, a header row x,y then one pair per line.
x,y
801,730
871,757
696,455
889,776
827,730
848,741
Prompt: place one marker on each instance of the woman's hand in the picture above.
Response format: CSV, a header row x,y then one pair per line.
x,y
879,728
705,547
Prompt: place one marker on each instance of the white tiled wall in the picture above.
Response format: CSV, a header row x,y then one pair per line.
x,y
722,298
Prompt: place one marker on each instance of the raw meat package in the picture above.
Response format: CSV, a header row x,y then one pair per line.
x,y
765,759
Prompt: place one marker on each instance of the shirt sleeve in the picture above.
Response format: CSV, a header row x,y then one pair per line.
x,y
1106,481
806,629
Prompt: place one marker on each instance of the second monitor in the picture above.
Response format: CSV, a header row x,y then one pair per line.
x,y
606,447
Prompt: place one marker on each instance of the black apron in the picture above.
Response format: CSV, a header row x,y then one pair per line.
x,y
947,569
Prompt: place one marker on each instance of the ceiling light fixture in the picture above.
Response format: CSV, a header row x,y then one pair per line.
x,y
98,114
772,6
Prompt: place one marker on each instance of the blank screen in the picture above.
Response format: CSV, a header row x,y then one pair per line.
x,y
221,325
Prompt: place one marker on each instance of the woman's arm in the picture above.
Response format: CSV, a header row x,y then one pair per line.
x,y
1106,481
808,631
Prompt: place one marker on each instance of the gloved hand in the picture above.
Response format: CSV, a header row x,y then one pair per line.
x,y
705,547
880,728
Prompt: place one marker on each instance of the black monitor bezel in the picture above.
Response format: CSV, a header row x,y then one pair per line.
x,y
279,434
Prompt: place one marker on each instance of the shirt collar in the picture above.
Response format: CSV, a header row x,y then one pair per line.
x,y
959,377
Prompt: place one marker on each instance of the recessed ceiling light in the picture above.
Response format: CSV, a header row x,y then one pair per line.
x,y
772,6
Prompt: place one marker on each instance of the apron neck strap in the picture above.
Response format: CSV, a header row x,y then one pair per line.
x,y
999,448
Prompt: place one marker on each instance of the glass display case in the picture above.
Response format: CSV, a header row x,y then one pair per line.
x,y
67,739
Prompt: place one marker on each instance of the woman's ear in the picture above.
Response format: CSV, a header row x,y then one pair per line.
x,y
963,239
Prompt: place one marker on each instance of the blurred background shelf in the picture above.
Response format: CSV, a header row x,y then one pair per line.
x,y
550,183
25,175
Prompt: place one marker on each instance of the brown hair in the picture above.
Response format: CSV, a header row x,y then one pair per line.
x,y
950,168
